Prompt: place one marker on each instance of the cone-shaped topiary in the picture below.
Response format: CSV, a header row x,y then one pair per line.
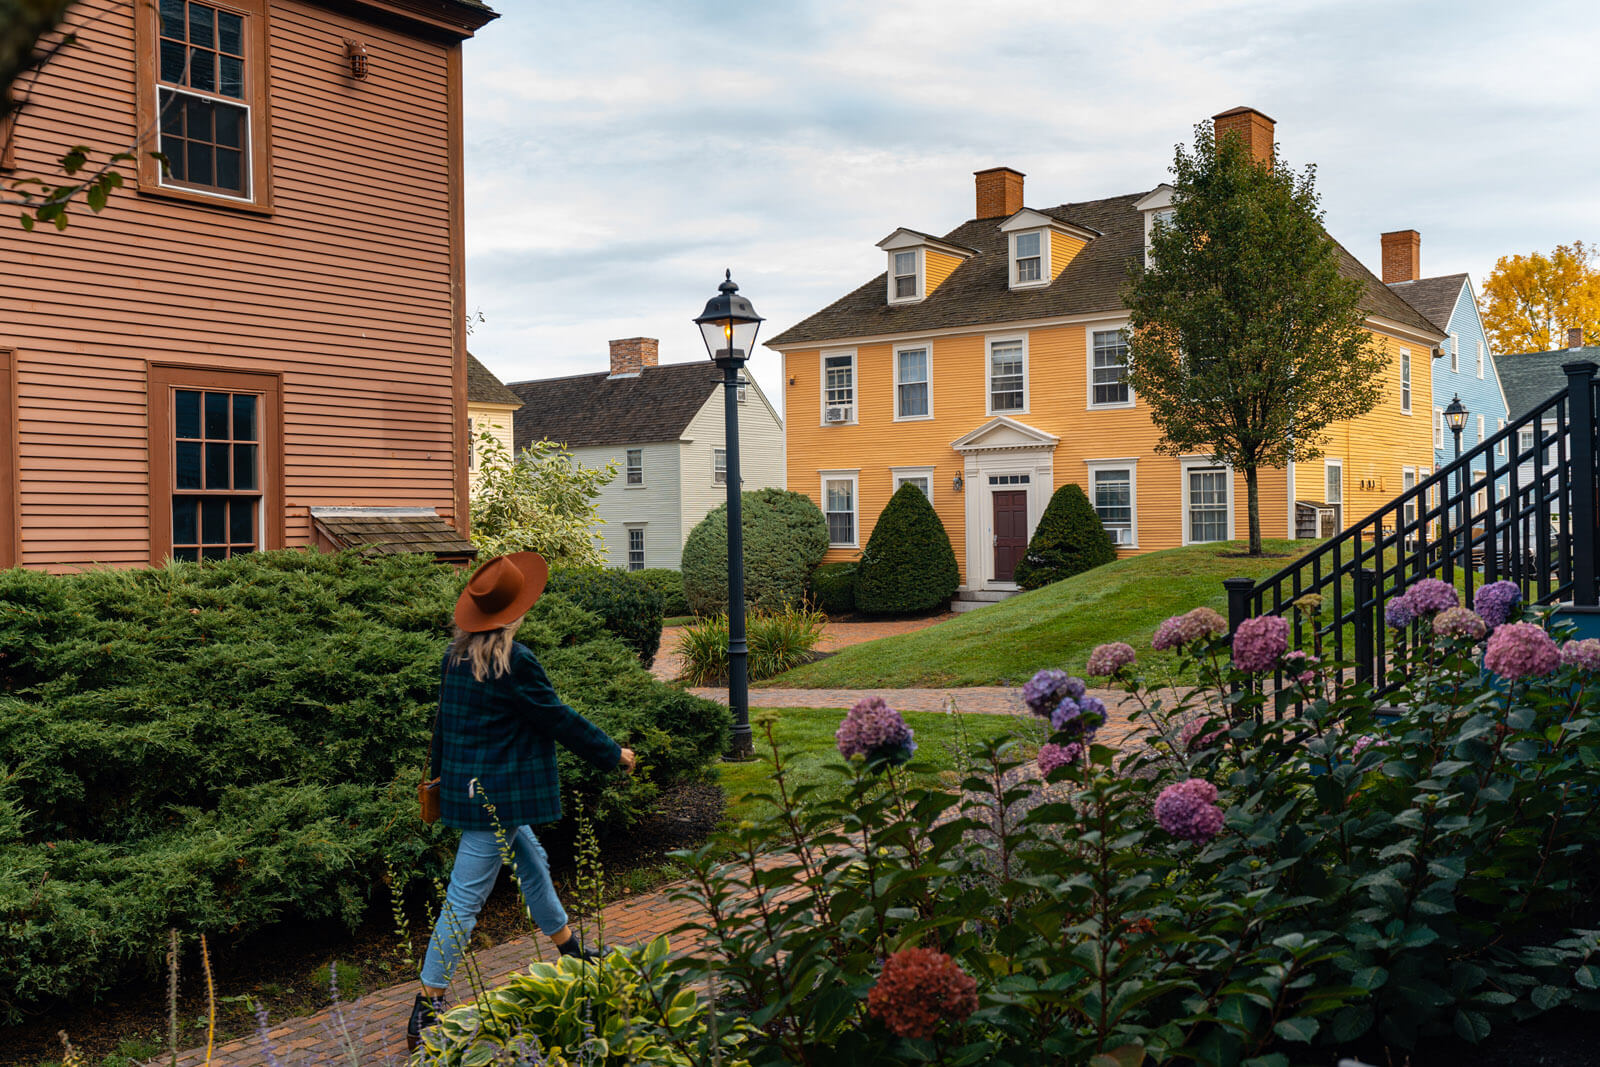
x,y
1068,540
908,565
785,536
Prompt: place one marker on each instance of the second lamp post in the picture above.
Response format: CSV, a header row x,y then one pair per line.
x,y
1455,416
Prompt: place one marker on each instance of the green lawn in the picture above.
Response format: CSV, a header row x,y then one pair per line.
x,y
1056,626
805,735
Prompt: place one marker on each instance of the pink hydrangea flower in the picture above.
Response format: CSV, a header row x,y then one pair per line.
x,y
1521,650
1584,655
1191,738
1259,642
1362,743
1187,628
1189,810
1203,622
1494,602
874,730
920,988
1297,661
1052,756
1462,623
1110,659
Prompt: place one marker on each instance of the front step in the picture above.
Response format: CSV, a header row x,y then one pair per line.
x,y
973,599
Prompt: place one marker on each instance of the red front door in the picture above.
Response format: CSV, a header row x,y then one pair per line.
x,y
1010,532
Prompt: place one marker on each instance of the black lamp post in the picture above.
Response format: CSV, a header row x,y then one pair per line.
x,y
1456,416
729,324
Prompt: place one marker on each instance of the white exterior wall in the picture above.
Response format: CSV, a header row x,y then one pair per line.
x,y
496,418
654,505
761,459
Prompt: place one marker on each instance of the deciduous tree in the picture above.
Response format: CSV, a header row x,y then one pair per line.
x,y
1245,340
541,500
1529,302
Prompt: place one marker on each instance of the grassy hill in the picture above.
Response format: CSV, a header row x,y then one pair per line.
x,y
1056,626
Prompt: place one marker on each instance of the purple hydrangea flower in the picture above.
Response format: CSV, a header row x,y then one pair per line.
x,y
1494,602
1584,655
1052,755
1521,650
1047,689
1398,613
1191,738
1462,623
1300,666
1169,634
1110,659
875,731
1430,595
1189,810
1259,642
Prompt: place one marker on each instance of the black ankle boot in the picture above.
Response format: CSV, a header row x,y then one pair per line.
x,y
572,947
425,1012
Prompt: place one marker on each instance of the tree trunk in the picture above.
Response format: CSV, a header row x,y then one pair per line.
x,y
1253,494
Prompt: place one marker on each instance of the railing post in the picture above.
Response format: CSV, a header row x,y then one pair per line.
x,y
1580,401
1366,589
1239,590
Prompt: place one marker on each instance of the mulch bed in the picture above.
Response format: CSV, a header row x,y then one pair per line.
x,y
276,967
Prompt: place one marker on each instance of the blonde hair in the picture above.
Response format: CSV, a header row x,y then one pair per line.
x,y
488,651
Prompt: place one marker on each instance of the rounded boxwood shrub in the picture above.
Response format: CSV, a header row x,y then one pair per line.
x,y
669,586
908,565
833,587
628,605
785,537
1069,540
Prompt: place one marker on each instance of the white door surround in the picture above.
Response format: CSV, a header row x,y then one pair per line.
x,y
1007,451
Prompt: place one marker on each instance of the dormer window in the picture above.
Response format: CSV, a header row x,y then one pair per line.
x,y
918,264
905,275
1030,264
1041,246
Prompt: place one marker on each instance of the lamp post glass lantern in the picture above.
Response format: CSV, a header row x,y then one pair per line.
x,y
728,326
1455,416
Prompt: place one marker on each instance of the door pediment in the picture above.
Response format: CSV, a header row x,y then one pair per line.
x,y
1004,434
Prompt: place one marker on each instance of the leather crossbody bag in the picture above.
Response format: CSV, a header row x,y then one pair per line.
x,y
428,789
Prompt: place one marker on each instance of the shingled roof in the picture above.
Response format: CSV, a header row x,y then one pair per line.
x,y
597,409
392,532
1434,297
978,292
1530,378
484,388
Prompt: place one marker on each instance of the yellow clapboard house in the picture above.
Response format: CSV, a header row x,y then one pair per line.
x,y
987,367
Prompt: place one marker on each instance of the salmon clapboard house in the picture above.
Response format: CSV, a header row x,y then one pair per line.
x,y
987,366
263,343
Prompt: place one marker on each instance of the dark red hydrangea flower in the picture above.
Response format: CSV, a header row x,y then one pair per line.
x,y
918,989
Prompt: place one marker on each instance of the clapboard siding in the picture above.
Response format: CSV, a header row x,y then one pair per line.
x,y
760,453
653,505
348,289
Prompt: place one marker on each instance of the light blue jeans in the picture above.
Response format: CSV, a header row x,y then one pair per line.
x,y
471,880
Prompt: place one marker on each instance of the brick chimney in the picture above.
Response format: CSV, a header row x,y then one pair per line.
x,y
1251,126
633,354
1402,256
999,192
1574,336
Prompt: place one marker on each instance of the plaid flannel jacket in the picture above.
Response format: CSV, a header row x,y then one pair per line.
x,y
495,743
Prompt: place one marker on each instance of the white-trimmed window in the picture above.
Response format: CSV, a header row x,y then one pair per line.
x,y
839,507
838,387
913,382
636,548
719,466
1408,482
1455,352
1438,427
1333,488
1008,375
1480,497
1525,439
1405,381
921,477
1481,434
1027,258
1114,492
905,279
1207,503
1500,449
1108,370
1478,346
634,464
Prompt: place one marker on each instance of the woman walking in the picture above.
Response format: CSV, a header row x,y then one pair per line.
x,y
494,751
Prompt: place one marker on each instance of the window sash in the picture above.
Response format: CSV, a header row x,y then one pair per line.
x,y
839,506
1455,352
911,392
1333,484
1007,377
1030,258
905,275
1405,381
719,466
1208,505
1110,371
921,481
635,466
1113,498
635,549
839,381
217,479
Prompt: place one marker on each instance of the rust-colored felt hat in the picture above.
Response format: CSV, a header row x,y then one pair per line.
x,y
501,591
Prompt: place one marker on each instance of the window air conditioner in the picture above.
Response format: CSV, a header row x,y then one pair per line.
x,y
838,414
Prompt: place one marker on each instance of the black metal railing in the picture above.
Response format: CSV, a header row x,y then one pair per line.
x,y
1519,506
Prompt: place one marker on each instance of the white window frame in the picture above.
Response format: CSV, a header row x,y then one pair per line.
x,y
628,469
644,552
1405,381
723,470
1526,439
1131,465
926,347
898,476
989,342
1185,467
1500,449
1408,474
1044,259
1481,435
921,276
1088,363
822,386
854,478
1478,345
1438,427
1455,353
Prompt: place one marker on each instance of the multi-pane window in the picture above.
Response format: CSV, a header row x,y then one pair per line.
x,y
905,275
719,466
911,383
1208,504
635,466
203,115
1500,449
1480,429
839,506
635,548
1007,376
1030,262
1525,440
1109,374
1438,427
1113,501
1405,380
216,474
838,388
918,480
1455,352
1408,482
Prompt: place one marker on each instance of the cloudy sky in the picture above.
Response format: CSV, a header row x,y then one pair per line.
x,y
620,155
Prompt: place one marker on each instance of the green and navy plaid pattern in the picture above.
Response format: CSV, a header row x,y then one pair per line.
x,y
496,743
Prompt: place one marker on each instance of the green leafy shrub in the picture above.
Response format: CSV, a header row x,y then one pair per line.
x,y
776,643
785,537
1068,540
628,605
908,565
219,748
669,586
833,587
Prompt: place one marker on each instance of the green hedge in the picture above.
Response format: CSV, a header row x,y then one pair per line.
x,y
908,565
627,604
833,587
669,586
1068,540
225,747
785,537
